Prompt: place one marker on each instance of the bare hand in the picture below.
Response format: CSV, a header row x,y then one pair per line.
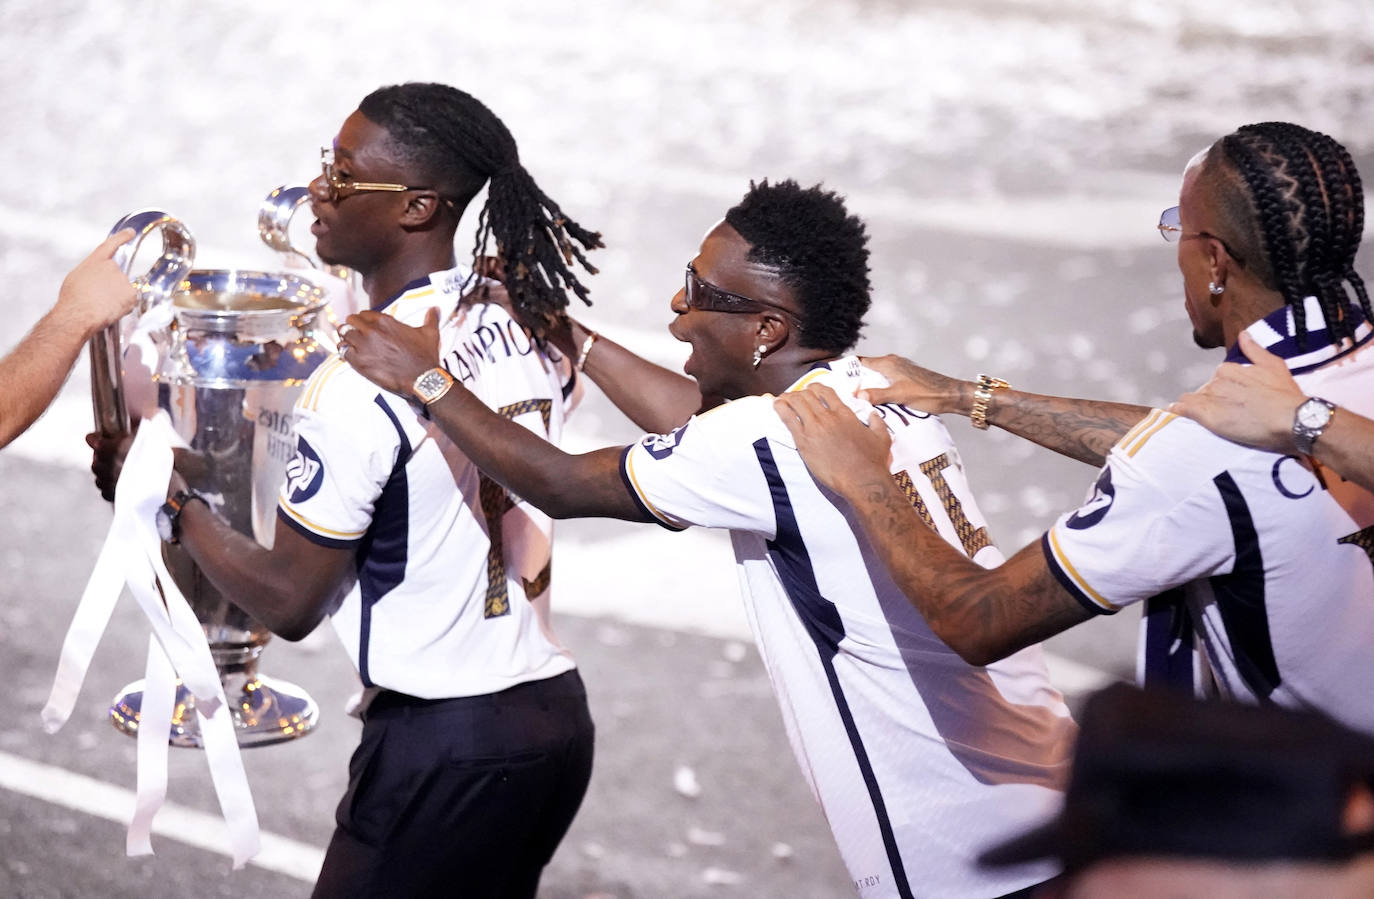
x,y
917,387
107,462
1250,404
388,353
841,451
97,292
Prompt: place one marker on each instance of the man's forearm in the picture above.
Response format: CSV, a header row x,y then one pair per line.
x,y
656,399
288,595
35,370
1347,446
983,614
562,485
1080,429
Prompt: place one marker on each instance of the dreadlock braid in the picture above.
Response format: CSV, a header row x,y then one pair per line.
x,y
461,145
1308,209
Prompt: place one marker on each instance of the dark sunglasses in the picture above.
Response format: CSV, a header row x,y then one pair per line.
x,y
710,298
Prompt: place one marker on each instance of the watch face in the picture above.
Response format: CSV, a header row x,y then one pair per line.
x,y
1313,414
431,384
163,518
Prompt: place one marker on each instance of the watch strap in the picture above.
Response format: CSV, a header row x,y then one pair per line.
x,y
983,390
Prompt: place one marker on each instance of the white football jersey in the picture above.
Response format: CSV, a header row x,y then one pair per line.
x,y
453,573
1272,556
919,760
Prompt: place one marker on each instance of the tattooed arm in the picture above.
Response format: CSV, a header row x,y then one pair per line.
x,y
982,614
1080,429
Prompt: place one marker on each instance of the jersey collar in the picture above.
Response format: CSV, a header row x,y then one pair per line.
x,y
1277,333
446,281
847,367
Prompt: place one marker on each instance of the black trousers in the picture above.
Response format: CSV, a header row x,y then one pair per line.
x,y
463,797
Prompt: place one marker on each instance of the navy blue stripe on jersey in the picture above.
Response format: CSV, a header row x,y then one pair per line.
x,y
1317,338
382,556
413,285
634,494
1169,647
1240,596
571,383
317,539
823,623
1067,582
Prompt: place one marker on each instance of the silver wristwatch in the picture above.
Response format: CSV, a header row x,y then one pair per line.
x,y
1309,421
431,385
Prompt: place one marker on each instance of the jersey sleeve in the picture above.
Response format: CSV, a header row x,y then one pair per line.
x,y
706,473
347,449
1149,525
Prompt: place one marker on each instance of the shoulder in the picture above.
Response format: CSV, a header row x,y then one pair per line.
x,y
338,399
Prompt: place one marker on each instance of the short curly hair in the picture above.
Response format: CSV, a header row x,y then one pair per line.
x,y
819,249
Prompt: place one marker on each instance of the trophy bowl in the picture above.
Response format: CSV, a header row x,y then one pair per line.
x,y
240,348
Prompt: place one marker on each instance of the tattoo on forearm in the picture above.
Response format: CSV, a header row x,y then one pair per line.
x,y
997,608
1081,429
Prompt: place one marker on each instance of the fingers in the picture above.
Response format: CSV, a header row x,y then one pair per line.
x,y
431,318
1259,355
109,245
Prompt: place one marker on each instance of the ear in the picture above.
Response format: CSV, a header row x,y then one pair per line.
x,y
421,209
1218,265
773,331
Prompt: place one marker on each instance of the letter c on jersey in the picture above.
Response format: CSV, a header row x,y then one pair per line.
x,y
304,473
1278,480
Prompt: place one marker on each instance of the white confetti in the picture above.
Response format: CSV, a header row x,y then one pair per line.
x,y
699,837
721,877
685,782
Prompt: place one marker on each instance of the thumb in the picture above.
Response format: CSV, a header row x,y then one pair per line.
x,y
1259,355
431,319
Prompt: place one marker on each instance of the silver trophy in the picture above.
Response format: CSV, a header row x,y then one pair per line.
x,y
235,354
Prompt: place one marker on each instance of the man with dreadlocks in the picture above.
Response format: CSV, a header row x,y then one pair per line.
x,y
1266,559
476,747
918,759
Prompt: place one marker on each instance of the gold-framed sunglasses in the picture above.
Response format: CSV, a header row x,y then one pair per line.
x,y
340,187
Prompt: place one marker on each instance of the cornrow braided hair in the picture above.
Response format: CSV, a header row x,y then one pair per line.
x,y
1306,202
460,144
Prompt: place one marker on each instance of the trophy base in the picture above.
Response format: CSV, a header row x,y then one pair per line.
x,y
264,710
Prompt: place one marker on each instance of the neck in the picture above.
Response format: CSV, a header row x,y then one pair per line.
x,y
776,375
1248,306
410,263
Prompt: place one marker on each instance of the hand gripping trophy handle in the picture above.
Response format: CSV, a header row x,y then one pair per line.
x,y
155,289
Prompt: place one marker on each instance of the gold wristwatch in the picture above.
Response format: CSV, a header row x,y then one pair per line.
x,y
431,385
982,396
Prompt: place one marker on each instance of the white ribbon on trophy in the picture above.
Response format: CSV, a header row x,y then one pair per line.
x,y
132,554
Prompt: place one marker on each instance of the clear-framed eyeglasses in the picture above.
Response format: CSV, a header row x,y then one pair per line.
x,y
1171,229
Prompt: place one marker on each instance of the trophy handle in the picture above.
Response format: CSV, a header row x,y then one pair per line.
x,y
274,227
155,288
